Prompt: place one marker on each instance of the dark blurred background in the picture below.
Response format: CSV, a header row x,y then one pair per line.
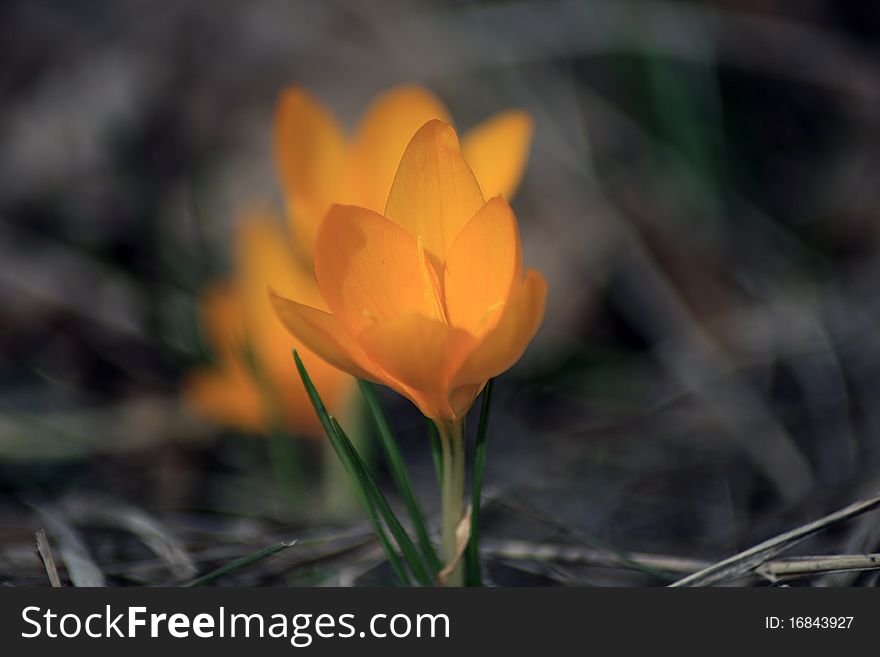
x,y
703,197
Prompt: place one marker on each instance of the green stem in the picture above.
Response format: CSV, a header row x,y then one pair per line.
x,y
452,494
473,577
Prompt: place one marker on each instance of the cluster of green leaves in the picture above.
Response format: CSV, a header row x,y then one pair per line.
x,y
412,561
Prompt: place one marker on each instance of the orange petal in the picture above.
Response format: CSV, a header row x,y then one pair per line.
x,y
484,263
220,318
368,268
322,334
310,153
264,258
504,344
497,150
227,398
419,352
262,252
387,127
434,193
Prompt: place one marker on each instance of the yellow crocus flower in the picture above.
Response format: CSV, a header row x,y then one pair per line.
x,y
429,299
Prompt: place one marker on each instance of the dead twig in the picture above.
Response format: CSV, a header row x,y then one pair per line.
x,y
45,552
750,559
81,568
587,556
581,555
835,563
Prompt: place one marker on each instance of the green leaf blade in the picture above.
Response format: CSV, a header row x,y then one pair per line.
x,y
375,500
244,561
400,475
344,451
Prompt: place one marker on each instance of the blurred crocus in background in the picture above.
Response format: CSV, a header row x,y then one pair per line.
x,y
318,165
251,386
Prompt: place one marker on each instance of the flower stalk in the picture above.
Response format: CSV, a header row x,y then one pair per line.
x,y
452,496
